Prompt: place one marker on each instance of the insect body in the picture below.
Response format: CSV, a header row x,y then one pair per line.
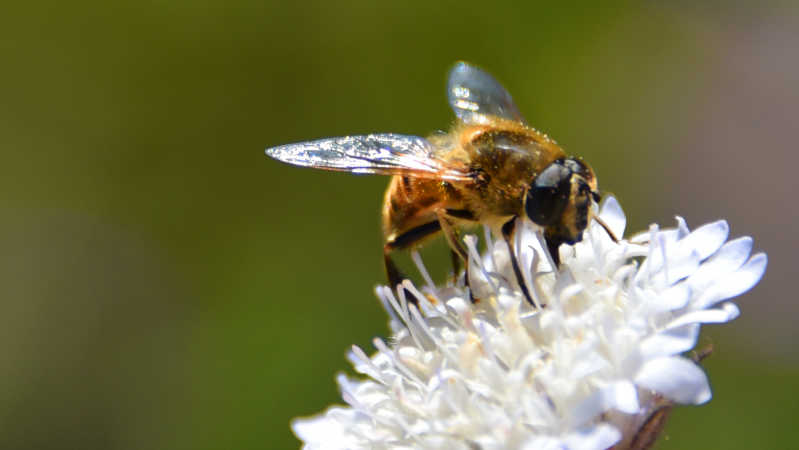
x,y
490,169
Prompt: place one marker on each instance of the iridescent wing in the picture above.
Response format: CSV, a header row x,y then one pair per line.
x,y
385,154
474,94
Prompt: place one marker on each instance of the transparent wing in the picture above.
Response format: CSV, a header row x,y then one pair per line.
x,y
386,154
474,94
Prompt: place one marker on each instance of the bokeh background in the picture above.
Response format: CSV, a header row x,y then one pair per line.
x,y
164,285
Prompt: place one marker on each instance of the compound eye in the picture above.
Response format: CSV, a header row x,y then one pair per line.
x,y
549,194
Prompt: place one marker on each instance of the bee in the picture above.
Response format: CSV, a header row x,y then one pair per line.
x,y
490,169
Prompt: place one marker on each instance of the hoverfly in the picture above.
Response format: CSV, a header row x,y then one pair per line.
x,y
489,169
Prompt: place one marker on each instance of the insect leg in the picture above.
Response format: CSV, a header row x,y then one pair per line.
x,y
456,246
405,240
456,262
607,229
507,234
553,244
393,274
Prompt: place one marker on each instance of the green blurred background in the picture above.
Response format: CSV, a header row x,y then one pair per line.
x,y
164,285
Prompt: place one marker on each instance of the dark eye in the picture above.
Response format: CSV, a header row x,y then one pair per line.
x,y
549,194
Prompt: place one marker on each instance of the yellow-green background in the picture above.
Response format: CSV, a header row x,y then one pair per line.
x,y
164,285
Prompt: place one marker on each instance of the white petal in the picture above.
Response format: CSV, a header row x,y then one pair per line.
x,y
675,378
682,228
680,266
587,362
671,234
362,363
729,258
640,238
673,298
706,239
621,396
544,443
670,262
735,283
670,342
727,312
325,432
599,436
612,214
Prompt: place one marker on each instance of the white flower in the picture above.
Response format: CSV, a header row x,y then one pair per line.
x,y
597,364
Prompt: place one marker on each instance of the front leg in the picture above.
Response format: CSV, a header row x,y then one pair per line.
x,y
507,233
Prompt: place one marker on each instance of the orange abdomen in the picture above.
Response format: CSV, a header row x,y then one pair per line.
x,y
412,202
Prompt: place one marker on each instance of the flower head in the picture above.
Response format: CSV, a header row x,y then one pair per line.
x,y
595,363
